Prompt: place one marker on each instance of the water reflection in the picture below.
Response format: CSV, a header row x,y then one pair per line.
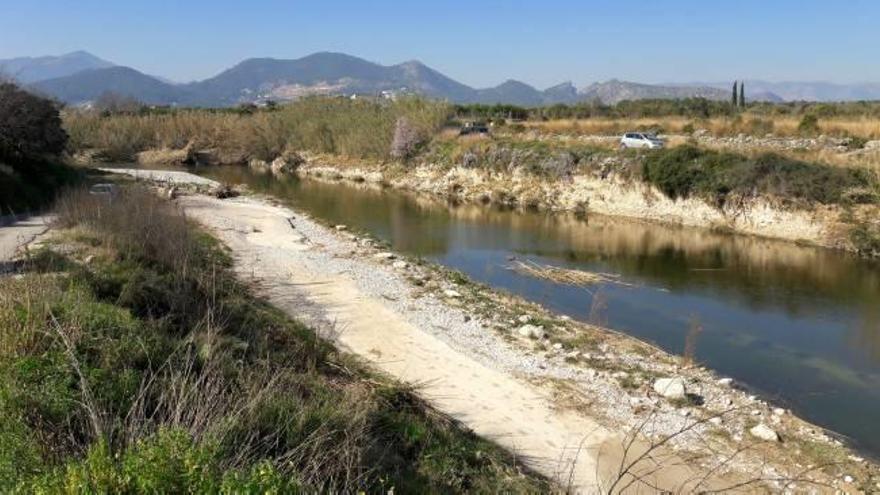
x,y
798,323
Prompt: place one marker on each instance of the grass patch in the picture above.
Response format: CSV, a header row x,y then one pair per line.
x,y
149,368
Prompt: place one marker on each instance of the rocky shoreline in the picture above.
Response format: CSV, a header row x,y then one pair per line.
x,y
618,380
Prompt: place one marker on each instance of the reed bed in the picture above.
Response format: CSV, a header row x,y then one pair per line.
x,y
362,129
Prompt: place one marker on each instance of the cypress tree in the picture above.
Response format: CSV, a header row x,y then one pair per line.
x,y
742,94
733,100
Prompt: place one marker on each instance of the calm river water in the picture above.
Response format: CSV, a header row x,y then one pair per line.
x,y
798,324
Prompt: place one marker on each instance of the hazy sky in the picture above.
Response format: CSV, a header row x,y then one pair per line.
x,y
478,42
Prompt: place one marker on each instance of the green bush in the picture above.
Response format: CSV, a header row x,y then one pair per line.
x,y
30,127
856,142
717,176
865,238
809,125
30,185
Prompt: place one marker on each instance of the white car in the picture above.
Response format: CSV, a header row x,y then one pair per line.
x,y
640,140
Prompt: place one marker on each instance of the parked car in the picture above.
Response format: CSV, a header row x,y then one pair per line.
x,y
473,128
108,191
641,140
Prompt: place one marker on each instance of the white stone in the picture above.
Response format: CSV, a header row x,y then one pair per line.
x,y
340,227
727,382
557,346
764,432
385,256
671,388
525,319
715,421
779,411
531,331
848,479
451,293
400,264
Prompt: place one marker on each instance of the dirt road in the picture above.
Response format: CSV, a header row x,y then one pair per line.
x,y
14,237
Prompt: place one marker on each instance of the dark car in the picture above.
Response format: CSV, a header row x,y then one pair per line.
x,y
473,128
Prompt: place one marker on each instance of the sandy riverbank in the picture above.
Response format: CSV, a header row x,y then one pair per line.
x,y
566,400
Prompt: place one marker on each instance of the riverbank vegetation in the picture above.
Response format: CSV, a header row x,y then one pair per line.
x,y
719,176
410,130
131,360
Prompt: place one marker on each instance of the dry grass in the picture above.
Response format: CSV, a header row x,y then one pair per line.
x,y
759,125
324,125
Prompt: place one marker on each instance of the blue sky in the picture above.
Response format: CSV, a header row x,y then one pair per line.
x,y
478,42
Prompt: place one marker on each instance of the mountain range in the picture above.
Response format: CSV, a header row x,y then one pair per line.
x,y
80,77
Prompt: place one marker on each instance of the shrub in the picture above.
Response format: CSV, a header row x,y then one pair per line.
x,y
856,142
760,127
809,125
110,103
406,139
690,171
30,127
30,185
865,238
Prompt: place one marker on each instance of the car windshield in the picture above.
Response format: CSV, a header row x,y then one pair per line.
x,y
649,136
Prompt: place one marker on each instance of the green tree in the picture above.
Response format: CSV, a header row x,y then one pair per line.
x,y
30,126
733,99
742,94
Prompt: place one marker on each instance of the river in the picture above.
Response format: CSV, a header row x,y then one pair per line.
x,y
799,325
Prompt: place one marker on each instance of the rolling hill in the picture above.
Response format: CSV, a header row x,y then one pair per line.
x,y
88,85
80,77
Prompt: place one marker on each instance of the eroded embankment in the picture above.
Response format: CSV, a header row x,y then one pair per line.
x,y
820,225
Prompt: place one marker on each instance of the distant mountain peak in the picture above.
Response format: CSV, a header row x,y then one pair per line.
x,y
33,69
614,91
